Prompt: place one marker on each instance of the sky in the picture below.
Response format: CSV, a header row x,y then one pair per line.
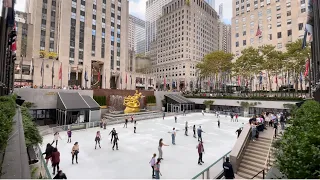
x,y
138,8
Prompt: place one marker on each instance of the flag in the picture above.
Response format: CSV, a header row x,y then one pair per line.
x,y
77,73
42,68
306,72
260,78
52,70
69,72
99,76
239,81
60,72
259,32
131,79
85,75
31,67
126,78
121,78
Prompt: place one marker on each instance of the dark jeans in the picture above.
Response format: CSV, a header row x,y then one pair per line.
x,y
56,142
75,155
134,129
111,138
186,131
54,167
115,143
152,171
97,142
199,138
200,158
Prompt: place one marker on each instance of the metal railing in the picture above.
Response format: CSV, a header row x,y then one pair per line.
x,y
214,170
43,170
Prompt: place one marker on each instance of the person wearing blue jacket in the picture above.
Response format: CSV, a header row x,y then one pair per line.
x,y
199,132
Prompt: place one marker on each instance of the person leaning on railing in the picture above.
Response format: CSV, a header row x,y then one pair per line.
x,y
228,169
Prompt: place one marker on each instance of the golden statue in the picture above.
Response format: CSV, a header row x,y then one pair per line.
x,y
132,103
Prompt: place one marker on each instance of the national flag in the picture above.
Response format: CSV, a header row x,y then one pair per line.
x,y
60,72
121,78
208,82
259,32
277,79
131,79
85,75
14,41
99,76
52,70
42,68
306,72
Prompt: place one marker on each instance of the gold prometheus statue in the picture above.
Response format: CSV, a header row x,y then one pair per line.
x,y
132,103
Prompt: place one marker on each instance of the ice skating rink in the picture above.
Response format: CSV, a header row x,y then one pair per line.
x,y
131,161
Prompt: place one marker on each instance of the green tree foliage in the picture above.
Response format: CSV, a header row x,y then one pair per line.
x,y
151,99
208,103
214,63
246,105
7,111
101,100
31,132
298,152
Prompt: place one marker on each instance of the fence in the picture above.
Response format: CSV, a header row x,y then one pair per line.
x,y
42,168
214,171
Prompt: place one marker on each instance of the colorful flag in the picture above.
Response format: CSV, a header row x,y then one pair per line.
x,y
52,70
259,32
306,72
60,72
42,68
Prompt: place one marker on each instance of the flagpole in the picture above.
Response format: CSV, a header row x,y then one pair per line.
x,y
42,71
61,75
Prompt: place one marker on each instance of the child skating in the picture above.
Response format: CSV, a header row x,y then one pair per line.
x,y
194,131
152,163
97,139
69,133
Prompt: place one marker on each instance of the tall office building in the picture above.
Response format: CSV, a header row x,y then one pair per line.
x,y
211,3
279,22
224,37
89,36
187,31
221,11
137,35
153,13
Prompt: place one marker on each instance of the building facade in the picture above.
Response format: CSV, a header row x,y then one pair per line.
x,y
224,37
279,21
186,32
211,3
221,11
89,37
137,35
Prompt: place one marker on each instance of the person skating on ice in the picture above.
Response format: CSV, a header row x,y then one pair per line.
x,y
69,133
231,116
115,141
202,112
125,123
160,148
97,139
56,136
163,115
55,160
157,169
199,131
152,163
237,115
134,126
184,112
218,123
75,151
131,118
238,131
175,118
218,114
186,129
113,133
48,152
173,136
194,131
200,152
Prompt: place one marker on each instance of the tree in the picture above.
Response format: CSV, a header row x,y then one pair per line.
x,y
208,103
298,152
246,105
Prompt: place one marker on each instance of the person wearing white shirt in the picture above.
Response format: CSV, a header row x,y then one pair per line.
x,y
173,135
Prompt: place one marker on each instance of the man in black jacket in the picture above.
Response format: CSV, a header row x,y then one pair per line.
x,y
228,170
113,133
60,175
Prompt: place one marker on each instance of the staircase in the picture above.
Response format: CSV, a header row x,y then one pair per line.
x,y
255,158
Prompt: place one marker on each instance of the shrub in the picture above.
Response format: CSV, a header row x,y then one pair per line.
x,y
208,103
298,152
249,98
151,99
101,100
31,132
7,111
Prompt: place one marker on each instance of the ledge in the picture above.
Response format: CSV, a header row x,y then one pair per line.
x,y
15,163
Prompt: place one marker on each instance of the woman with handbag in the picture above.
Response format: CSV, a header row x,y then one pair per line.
x,y
75,152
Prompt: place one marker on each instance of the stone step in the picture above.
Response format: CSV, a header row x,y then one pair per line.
x,y
259,160
256,156
264,150
252,151
259,145
263,139
252,165
248,174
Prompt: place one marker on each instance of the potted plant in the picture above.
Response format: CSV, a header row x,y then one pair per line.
x,y
208,103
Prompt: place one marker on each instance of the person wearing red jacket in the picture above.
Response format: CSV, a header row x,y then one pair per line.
x,y
200,151
55,160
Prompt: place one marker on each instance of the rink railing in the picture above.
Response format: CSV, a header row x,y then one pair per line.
x,y
214,171
42,171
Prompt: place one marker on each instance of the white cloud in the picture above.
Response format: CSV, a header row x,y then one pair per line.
x,y
137,8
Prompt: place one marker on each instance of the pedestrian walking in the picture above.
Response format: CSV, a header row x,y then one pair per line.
x,y
227,169
56,136
97,139
113,133
173,136
125,123
186,129
55,160
152,163
175,118
75,151
160,148
115,141
157,169
199,131
135,127
200,152
48,153
194,131
69,133
218,123
60,175
238,131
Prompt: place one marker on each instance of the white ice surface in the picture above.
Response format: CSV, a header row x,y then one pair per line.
x,y
135,150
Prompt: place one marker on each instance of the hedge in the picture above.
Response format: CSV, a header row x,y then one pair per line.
x,y
151,99
31,132
7,111
249,98
101,100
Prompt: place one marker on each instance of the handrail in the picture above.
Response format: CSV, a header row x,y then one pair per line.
x,y
259,173
244,143
202,172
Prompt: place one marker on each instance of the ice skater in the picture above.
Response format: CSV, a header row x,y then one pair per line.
x,y
131,119
175,118
194,131
238,131
113,133
48,152
55,160
199,131
200,152
75,151
202,112
152,163
231,115
173,136
237,115
97,139
218,114
115,141
186,129
157,169
160,148
56,136
163,115
125,123
184,112
134,126
218,123
69,133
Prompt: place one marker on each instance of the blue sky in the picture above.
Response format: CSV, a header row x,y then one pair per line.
x,y
138,7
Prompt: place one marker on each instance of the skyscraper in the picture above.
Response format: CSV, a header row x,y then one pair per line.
x,y
137,35
211,3
224,37
221,11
